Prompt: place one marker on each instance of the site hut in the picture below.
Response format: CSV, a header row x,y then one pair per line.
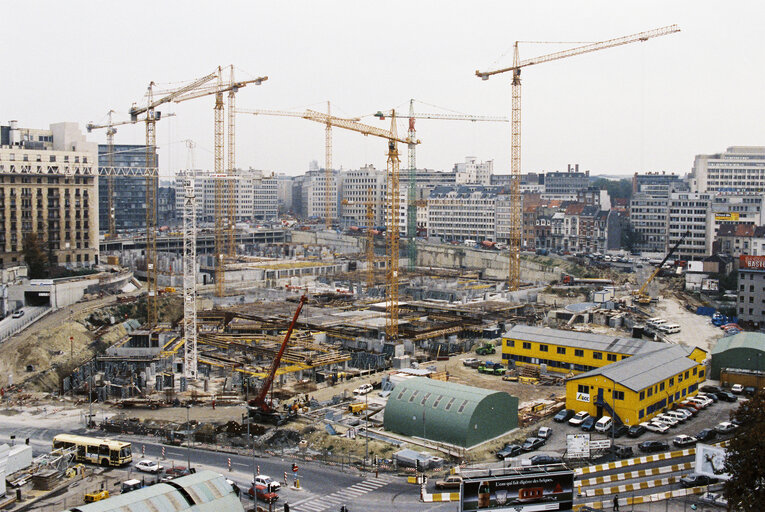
x,y
204,491
449,413
569,351
739,359
640,387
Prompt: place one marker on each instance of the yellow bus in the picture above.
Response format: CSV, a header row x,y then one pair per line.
x,y
106,452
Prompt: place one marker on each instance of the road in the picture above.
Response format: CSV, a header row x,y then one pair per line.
x,y
10,325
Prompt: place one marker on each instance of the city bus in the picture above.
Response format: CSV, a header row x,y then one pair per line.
x,y
106,452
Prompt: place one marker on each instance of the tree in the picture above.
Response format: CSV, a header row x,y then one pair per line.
x,y
34,256
744,461
630,237
616,188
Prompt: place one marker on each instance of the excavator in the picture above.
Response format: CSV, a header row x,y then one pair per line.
x,y
640,296
261,409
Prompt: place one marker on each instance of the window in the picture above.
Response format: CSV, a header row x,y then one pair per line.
x,y
437,401
462,406
583,389
650,392
578,353
425,399
611,357
661,386
509,343
401,393
694,370
672,381
618,395
641,413
526,345
561,350
687,374
414,395
542,348
642,395
449,404
597,355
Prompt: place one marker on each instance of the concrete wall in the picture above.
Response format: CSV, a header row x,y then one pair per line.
x,y
338,242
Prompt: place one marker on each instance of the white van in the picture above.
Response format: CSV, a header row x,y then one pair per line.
x,y
604,424
656,322
669,328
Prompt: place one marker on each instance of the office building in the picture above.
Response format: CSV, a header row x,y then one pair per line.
x,y
658,184
462,213
566,185
49,186
472,172
359,188
687,213
129,199
738,169
751,289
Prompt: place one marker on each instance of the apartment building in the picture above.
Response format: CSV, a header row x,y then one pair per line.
x,y
49,186
751,289
462,213
129,192
688,213
738,169
473,172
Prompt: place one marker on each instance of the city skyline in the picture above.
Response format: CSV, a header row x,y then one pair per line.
x,y
651,106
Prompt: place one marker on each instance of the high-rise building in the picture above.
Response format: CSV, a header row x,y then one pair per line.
x,y
471,172
658,184
739,169
314,194
129,199
648,215
462,213
49,186
284,192
359,187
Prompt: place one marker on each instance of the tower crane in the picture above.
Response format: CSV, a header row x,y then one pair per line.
x,y
411,209
514,244
152,116
223,229
370,204
392,199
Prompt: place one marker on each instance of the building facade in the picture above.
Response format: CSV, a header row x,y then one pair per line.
x,y
129,199
473,172
359,189
751,289
738,169
566,185
462,213
49,186
688,214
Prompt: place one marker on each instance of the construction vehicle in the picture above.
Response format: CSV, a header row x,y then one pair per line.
x,y
357,407
486,349
96,496
261,409
640,296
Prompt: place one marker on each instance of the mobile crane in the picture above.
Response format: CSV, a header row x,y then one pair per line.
x,y
640,296
261,409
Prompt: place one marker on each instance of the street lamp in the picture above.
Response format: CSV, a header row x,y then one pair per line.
x,y
188,435
366,433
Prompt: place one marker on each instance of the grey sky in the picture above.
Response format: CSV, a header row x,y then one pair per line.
x,y
645,106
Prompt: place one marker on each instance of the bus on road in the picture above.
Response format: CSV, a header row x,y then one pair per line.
x,y
106,452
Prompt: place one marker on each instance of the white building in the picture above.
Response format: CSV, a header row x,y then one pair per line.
x,y
284,192
739,169
648,215
474,173
462,213
688,213
359,188
733,209
314,194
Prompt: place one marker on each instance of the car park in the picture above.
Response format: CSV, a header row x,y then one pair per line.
x,y
636,431
706,435
148,466
363,389
509,450
651,426
683,440
653,446
725,427
532,443
540,460
450,482
696,480
544,433
564,415
588,425
737,389
578,418
267,482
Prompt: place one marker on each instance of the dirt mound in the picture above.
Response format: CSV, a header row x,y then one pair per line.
x,y
282,438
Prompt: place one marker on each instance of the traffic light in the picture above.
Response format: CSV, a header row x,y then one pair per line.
x,y
418,465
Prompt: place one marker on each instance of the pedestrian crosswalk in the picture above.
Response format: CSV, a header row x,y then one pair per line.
x,y
342,497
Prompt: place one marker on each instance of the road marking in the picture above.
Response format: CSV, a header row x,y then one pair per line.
x,y
649,498
343,496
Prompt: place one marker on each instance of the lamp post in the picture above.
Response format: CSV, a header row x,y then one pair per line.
x,y
188,435
366,433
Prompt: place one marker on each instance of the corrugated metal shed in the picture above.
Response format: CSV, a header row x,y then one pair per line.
x,y
449,413
583,340
644,370
744,350
204,491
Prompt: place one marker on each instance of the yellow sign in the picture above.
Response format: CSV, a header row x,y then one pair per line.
x,y
726,216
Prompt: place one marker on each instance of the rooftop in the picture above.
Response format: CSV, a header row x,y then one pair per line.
x,y
750,340
600,342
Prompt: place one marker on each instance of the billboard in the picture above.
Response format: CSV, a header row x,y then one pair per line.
x,y
751,262
578,446
732,216
710,461
525,490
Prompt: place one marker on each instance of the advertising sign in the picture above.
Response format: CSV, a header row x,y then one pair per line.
x,y
583,397
710,461
578,446
751,262
727,216
602,444
524,491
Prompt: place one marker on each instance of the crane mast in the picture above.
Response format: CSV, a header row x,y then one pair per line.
x,y
231,213
151,211
189,274
514,244
218,171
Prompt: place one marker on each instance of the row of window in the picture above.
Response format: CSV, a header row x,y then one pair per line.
x,y
436,402
562,350
549,362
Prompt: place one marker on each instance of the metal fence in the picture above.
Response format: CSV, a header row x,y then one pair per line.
x,y
14,325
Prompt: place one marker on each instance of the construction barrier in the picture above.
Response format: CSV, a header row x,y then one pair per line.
x,y
437,497
649,498
635,461
620,489
642,473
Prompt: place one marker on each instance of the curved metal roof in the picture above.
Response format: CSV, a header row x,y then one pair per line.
x,y
747,340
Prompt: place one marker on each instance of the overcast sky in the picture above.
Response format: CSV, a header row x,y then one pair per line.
x,y
647,106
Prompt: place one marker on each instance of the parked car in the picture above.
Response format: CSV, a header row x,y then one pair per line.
x,y
579,418
176,471
725,427
267,482
691,404
541,460
636,431
620,430
682,411
659,428
737,389
704,401
726,396
689,408
750,390
696,480
653,446
544,433
148,466
261,492
706,435
666,420
621,451
679,416
450,482
604,424
588,425
509,450
710,396
684,440
564,415
710,389
18,314
363,389
532,443
470,361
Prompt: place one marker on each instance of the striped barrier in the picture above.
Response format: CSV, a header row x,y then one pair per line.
x,y
437,497
635,461
648,484
642,473
637,500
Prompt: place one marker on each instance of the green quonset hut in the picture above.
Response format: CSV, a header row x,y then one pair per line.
x,y
449,413
745,350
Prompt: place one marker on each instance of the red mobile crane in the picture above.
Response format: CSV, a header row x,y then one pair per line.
x,y
260,409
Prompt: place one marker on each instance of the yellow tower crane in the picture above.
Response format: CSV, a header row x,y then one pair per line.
x,y
370,204
515,158
152,116
392,199
224,224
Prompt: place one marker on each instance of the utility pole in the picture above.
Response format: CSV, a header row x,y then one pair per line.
x,y
366,455
188,435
